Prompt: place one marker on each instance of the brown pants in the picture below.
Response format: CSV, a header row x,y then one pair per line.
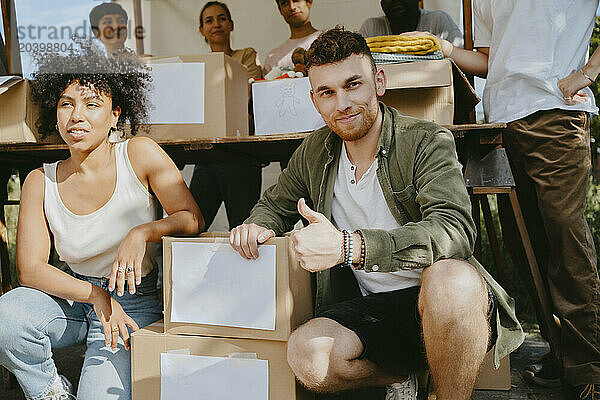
x,y
549,153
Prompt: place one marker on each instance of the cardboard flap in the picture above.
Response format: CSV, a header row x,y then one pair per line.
x,y
465,98
418,74
6,82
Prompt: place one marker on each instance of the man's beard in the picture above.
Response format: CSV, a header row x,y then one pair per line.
x,y
369,116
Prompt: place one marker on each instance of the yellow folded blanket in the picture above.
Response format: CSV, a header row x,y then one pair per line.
x,y
409,44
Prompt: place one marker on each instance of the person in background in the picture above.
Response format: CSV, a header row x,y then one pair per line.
x,y
537,78
99,208
238,185
390,239
405,16
296,14
109,25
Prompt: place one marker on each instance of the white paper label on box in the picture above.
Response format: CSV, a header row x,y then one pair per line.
x,y
214,378
284,106
178,93
214,285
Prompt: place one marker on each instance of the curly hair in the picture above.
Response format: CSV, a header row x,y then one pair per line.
x,y
121,76
335,45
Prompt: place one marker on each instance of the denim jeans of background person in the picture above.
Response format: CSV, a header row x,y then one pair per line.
x,y
34,323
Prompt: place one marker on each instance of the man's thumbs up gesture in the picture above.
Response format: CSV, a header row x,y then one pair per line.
x,y
319,245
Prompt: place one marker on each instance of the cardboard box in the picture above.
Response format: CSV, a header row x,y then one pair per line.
x,y
18,114
287,301
493,379
284,106
434,90
149,343
488,379
196,96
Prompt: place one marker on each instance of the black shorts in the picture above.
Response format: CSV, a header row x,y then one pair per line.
x,y
389,326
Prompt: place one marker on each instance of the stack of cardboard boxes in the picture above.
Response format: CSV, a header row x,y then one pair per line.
x,y
227,322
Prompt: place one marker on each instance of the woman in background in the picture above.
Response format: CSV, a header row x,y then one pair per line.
x,y
236,184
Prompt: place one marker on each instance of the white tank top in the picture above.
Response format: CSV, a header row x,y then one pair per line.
x,y
89,243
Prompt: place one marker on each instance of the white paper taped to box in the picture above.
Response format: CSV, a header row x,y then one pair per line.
x,y
284,106
178,93
214,285
215,378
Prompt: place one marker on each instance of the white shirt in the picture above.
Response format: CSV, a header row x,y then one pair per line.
x,y
533,44
437,22
282,55
89,243
362,205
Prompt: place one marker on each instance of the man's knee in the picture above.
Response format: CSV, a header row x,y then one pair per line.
x,y
452,288
317,350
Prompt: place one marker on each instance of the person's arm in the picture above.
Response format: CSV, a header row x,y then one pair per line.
x,y
471,62
252,64
570,85
276,212
33,250
154,167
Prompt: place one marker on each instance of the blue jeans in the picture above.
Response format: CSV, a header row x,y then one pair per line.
x,y
32,323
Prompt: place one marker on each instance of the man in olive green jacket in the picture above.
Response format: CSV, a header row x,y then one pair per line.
x,y
391,241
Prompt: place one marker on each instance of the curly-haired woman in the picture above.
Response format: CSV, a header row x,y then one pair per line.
x,y
99,207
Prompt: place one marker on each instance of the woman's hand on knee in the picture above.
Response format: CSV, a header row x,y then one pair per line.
x,y
128,262
114,321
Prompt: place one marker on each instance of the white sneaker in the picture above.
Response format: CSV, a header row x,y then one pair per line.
x,y
61,389
406,390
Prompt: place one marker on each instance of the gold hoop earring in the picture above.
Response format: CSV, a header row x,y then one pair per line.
x,y
56,126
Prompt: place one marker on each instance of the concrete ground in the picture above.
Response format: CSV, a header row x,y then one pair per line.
x,y
69,362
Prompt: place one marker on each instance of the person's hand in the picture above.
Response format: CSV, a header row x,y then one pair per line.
x,y
571,88
446,46
319,245
128,262
113,319
246,238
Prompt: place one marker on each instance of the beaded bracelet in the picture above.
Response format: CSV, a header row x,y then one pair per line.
x,y
361,260
348,261
344,246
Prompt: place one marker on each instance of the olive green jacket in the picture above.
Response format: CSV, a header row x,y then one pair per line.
x,y
423,186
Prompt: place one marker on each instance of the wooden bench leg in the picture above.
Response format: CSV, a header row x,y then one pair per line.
x,y
493,238
475,198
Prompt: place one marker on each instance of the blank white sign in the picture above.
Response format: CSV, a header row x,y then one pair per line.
x,y
178,93
213,378
214,285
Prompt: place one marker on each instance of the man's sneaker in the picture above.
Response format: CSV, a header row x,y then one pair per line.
x,y
61,389
406,390
543,372
588,392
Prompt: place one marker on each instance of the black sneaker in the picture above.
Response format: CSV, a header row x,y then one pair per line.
x,y
543,372
588,392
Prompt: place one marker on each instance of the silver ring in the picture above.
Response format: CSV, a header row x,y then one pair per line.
x,y
129,269
121,269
